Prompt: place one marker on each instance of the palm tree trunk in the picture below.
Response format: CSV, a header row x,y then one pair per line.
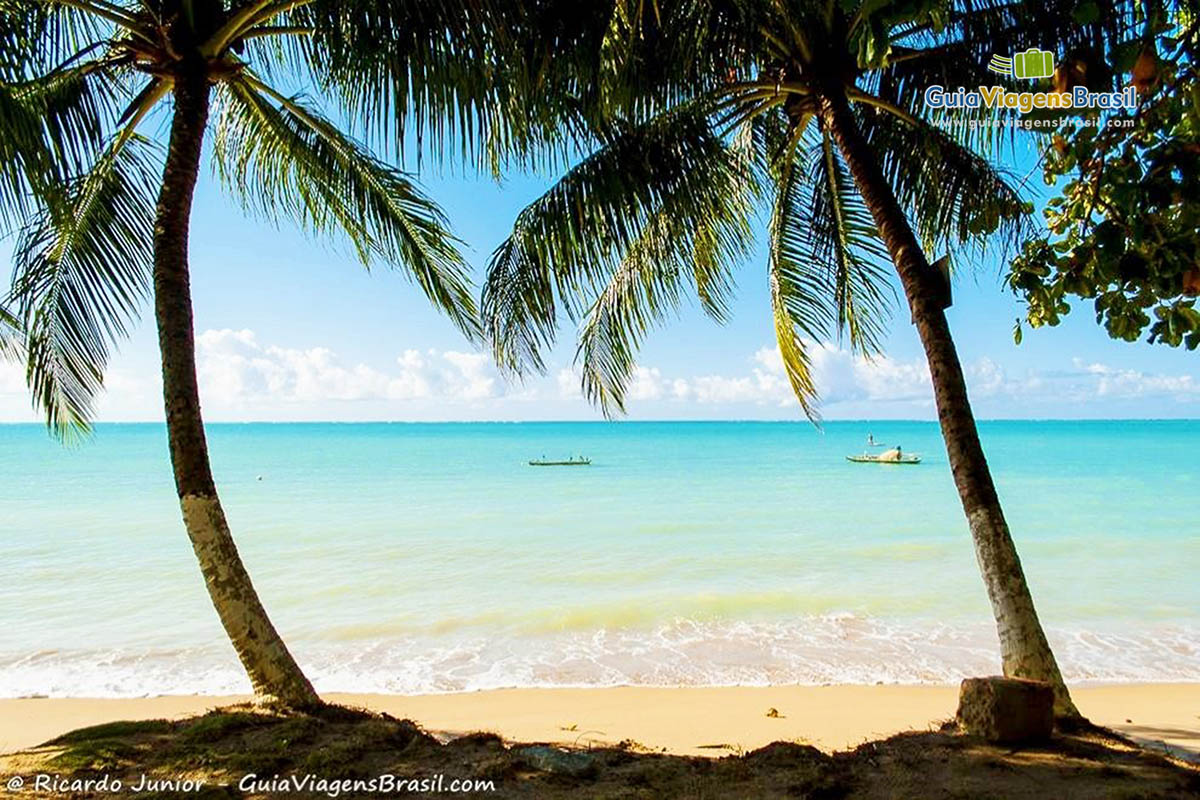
x,y
1024,651
273,672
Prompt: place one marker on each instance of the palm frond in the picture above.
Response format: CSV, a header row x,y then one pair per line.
x,y
406,70
10,335
655,56
647,285
566,244
828,273
842,234
81,272
951,193
672,255
77,106
800,298
284,159
54,128
37,38
22,143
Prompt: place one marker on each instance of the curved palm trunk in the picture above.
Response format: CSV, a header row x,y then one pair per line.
x,y
1024,651
273,672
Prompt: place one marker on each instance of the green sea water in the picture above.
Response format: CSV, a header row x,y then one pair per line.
x,y
432,557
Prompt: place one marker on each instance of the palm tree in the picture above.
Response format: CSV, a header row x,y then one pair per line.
x,y
702,112
103,210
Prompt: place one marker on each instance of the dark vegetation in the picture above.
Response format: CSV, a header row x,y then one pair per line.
x,y
339,744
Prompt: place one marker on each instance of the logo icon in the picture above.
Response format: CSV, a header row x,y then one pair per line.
x,y
1033,63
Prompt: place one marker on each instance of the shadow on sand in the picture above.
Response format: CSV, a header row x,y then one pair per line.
x,y
344,749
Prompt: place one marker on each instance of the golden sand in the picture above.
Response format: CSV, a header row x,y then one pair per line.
x,y
698,721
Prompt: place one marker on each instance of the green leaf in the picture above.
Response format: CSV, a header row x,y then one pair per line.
x,y
568,243
286,160
1086,13
81,273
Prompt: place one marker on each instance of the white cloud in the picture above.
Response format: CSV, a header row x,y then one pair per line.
x,y
889,386
233,366
760,388
770,359
1130,383
766,384
568,379
236,369
242,377
840,376
646,384
476,374
12,378
986,378
411,382
887,379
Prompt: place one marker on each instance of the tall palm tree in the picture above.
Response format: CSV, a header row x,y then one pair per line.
x,y
702,112
103,210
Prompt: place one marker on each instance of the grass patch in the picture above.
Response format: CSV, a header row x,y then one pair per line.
x,y
336,743
96,756
113,730
217,725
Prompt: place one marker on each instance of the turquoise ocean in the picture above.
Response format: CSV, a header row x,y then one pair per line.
x,y
431,557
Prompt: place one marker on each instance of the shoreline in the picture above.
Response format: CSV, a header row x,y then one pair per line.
x,y
712,721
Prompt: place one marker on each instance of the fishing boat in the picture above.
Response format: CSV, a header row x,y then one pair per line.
x,y
570,462
870,458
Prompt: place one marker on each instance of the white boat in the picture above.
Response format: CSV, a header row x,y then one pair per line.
x,y
893,456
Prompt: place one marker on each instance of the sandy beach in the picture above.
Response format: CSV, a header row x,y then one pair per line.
x,y
692,721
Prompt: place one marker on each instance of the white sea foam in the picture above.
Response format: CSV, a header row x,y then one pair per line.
x,y
819,650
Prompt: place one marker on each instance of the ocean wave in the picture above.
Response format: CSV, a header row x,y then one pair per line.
x,y
820,650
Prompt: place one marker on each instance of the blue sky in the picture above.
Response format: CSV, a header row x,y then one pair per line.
x,y
293,329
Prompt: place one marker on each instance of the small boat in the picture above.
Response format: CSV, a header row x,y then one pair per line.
x,y
570,462
868,458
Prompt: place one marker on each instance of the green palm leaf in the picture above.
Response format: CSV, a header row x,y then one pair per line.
x,y
951,193
409,69
842,234
54,128
827,271
567,244
284,159
10,335
800,300
81,271
671,257
647,284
